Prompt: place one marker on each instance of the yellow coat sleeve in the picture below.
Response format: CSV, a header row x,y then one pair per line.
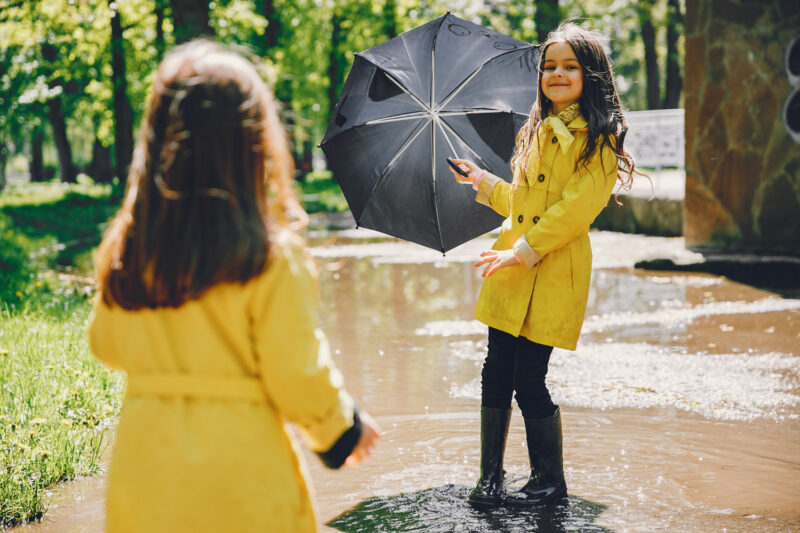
x,y
295,364
495,192
583,197
100,336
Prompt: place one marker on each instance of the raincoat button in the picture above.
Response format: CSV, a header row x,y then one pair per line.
x,y
541,178
535,219
555,140
519,219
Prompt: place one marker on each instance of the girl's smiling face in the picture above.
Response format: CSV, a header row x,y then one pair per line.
x,y
562,76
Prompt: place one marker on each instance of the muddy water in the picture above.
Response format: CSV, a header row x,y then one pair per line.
x,y
681,403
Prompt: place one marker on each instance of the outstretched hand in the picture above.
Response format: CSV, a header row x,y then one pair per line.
x,y
370,433
469,167
497,259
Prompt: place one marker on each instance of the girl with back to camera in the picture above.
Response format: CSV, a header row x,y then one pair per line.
x,y
208,300
569,154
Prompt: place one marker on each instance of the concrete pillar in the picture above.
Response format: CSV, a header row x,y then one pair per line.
x,y
742,166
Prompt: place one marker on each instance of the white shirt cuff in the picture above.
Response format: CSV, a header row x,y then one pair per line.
x,y
524,251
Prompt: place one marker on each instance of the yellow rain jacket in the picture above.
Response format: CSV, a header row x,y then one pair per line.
x,y
202,443
548,216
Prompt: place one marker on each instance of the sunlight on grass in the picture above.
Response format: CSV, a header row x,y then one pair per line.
x,y
57,403
56,406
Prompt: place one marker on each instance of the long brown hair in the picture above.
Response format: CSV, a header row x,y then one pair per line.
x,y
210,175
599,103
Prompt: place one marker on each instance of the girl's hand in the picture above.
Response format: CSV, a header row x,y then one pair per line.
x,y
471,168
370,433
497,259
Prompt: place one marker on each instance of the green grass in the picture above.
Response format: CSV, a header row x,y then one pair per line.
x,y
57,405
57,402
319,193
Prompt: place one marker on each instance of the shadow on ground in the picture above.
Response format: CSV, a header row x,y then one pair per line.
x,y
445,508
75,222
778,274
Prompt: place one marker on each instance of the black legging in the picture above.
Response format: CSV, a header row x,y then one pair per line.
x,y
516,364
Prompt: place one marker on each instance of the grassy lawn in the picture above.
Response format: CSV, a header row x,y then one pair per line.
x,y
58,404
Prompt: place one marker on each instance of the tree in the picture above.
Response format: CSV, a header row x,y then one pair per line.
x,y
3,159
674,87
123,113
335,59
191,19
273,30
547,18
160,41
55,112
645,11
36,165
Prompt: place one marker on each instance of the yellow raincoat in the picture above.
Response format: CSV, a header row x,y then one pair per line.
x,y
202,443
551,208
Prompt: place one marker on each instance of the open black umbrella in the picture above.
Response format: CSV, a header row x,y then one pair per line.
x,y
447,88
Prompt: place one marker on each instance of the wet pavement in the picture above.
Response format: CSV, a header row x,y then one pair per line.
x,y
681,403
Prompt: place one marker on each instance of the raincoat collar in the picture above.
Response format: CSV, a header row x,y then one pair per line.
x,y
568,119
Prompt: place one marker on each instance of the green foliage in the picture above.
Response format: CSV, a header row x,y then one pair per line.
x,y
14,268
319,193
57,402
54,225
61,48
56,406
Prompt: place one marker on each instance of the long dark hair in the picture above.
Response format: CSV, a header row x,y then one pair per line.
x,y
196,211
599,103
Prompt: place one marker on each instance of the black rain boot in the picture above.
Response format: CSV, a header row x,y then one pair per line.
x,y
494,431
546,483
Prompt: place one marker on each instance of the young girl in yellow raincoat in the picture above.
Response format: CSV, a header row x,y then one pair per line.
x,y
209,302
569,154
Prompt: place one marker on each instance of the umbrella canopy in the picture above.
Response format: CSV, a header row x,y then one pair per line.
x,y
449,88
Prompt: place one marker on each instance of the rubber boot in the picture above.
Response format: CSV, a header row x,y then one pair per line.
x,y
494,431
547,483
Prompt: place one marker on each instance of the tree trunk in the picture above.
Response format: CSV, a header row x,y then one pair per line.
x,y
100,168
546,18
160,46
390,19
123,113
273,25
672,96
334,65
56,114
3,159
37,159
645,9
190,18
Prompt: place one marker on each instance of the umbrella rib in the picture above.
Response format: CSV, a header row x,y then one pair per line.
x,y
433,171
460,86
471,112
400,85
457,136
469,78
447,138
397,118
400,151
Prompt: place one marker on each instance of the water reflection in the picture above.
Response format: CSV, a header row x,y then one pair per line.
x,y
680,404
444,509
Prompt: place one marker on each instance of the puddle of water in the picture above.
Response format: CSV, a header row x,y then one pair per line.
x,y
680,403
627,470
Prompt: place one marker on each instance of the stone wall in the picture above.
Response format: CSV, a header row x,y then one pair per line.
x,y
742,167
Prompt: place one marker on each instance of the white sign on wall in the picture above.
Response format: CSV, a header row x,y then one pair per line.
x,y
656,138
